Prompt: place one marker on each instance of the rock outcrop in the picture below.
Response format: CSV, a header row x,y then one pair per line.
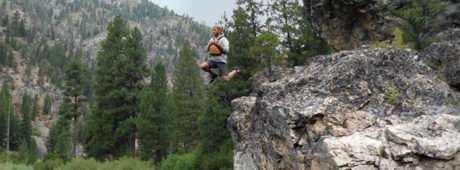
x,y
350,24
360,109
347,24
444,57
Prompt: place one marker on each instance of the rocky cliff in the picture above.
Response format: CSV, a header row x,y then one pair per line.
x,y
349,24
361,109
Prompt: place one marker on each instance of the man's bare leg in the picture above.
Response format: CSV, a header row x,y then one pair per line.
x,y
204,66
230,75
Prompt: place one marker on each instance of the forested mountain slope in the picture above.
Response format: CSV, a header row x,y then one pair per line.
x,y
39,37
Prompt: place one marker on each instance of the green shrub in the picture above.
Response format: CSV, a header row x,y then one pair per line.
x,y
392,93
127,164
91,164
187,161
420,17
11,166
12,157
81,164
49,164
221,160
398,40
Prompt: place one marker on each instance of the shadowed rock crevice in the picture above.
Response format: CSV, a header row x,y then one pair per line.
x,y
456,87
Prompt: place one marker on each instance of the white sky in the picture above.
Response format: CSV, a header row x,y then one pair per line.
x,y
203,11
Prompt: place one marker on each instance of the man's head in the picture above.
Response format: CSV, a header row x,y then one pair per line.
x,y
217,30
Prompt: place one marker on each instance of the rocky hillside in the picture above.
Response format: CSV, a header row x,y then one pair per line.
x,y
361,109
38,38
58,30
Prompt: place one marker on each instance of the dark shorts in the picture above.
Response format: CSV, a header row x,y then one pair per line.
x,y
218,68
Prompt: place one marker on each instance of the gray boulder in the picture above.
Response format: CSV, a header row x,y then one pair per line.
x,y
361,109
444,57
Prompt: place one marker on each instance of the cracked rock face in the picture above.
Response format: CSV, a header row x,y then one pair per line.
x,y
444,57
349,24
361,109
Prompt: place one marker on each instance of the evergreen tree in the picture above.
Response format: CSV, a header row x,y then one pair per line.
x,y
241,33
153,119
22,28
253,10
5,57
189,98
26,111
5,21
27,149
73,91
119,73
285,13
101,126
297,36
4,5
34,112
420,18
264,49
59,140
214,135
307,45
213,121
5,109
47,105
7,112
14,28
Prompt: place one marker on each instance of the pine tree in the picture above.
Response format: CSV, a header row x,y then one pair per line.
x,y
15,24
420,17
22,28
4,5
264,50
47,105
5,21
15,130
28,148
101,126
73,91
307,45
296,34
241,32
285,13
35,106
154,117
7,112
253,10
119,73
213,121
26,111
189,98
5,109
3,54
59,140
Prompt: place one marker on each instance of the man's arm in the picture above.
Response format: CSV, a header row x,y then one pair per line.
x,y
209,43
225,45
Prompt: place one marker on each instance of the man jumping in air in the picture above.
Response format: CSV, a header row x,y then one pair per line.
x,y
218,47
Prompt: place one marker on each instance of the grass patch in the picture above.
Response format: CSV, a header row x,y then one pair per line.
x,y
392,94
